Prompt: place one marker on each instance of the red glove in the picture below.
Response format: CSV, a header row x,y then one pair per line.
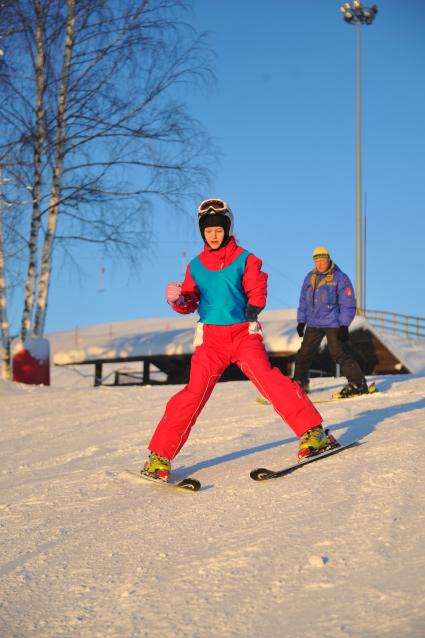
x,y
173,293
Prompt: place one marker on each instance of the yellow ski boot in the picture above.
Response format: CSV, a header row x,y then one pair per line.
x,y
157,467
313,441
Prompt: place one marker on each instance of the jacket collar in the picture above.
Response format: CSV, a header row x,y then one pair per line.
x,y
223,253
322,277
326,272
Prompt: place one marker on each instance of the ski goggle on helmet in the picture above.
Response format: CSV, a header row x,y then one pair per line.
x,y
216,206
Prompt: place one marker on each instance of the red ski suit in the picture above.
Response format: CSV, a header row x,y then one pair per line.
x,y
217,346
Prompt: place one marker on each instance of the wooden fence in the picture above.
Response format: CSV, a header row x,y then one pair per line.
x,y
395,323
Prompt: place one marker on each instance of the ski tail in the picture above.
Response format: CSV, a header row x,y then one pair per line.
x,y
188,484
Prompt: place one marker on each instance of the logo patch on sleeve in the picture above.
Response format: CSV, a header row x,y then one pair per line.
x,y
348,292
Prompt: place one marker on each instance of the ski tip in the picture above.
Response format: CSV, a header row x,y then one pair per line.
x,y
190,484
260,474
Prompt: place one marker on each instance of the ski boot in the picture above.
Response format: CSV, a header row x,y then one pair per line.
x,y
313,441
354,389
157,467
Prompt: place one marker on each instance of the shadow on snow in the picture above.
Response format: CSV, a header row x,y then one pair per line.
x,y
357,428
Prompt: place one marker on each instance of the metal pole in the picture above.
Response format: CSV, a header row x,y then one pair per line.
x,y
355,13
359,275
364,262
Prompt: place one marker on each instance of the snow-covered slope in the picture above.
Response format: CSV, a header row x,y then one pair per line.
x,y
334,550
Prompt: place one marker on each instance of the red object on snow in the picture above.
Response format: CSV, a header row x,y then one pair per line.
x,y
31,362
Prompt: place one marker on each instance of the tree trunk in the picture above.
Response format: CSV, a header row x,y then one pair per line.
x,y
93,97
40,136
46,258
4,323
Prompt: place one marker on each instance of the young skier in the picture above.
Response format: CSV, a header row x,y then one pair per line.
x,y
327,307
226,286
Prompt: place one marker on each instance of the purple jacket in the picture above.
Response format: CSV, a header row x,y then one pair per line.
x,y
331,303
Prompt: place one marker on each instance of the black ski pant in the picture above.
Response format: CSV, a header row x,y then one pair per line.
x,y
309,348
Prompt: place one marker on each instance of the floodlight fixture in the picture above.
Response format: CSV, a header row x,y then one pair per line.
x,y
356,13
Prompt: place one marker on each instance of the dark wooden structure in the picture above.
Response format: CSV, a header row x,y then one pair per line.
x,y
370,352
373,356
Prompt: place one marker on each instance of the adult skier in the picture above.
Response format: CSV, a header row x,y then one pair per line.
x,y
326,309
226,286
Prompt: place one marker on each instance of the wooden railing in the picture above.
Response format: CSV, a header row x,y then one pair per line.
x,y
395,323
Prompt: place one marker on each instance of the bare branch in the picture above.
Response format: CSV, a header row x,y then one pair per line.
x,y
92,118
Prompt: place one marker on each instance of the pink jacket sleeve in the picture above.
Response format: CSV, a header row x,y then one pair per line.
x,y
254,282
190,293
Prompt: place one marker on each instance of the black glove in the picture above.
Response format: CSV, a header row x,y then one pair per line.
x,y
343,333
252,312
300,328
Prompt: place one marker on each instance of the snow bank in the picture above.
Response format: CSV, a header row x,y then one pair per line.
x,y
161,336
147,337
410,352
39,348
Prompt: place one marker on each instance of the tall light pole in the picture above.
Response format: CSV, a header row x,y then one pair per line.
x,y
357,14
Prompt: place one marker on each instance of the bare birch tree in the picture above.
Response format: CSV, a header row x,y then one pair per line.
x,y
93,120
4,321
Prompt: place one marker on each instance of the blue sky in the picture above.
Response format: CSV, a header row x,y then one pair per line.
x,y
282,114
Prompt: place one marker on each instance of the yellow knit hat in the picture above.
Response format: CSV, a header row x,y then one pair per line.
x,y
320,251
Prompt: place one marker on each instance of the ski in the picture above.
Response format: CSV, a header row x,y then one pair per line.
x,y
262,400
263,474
372,389
186,485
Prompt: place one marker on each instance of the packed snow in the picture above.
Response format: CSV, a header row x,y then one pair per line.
x,y
333,550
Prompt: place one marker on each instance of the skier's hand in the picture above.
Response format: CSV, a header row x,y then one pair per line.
x,y
300,328
173,293
252,312
343,333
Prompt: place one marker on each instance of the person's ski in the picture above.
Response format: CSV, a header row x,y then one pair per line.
x,y
264,474
187,484
372,389
262,401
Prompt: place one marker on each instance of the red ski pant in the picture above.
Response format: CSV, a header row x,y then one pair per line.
x,y
221,346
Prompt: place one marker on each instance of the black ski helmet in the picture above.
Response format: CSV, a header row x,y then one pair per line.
x,y
215,212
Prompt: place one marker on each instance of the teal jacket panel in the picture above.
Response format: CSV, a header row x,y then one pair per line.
x,y
222,297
